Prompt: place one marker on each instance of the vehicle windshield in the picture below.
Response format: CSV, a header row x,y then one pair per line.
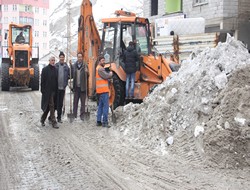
x,y
20,35
142,38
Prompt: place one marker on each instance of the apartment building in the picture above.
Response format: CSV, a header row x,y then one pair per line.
x,y
224,16
32,12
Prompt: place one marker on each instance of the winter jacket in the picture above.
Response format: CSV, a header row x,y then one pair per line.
x,y
66,72
48,85
130,59
83,76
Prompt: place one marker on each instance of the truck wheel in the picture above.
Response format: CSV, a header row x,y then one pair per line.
x,y
5,77
119,91
34,82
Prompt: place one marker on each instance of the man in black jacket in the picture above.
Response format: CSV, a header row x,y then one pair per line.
x,y
49,89
130,59
63,75
80,76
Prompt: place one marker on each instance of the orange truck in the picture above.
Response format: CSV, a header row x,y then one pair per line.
x,y
19,68
117,32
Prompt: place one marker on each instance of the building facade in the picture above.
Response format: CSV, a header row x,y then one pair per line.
x,y
32,12
225,16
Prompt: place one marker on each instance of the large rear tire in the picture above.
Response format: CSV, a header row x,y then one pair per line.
x,y
119,93
5,77
34,82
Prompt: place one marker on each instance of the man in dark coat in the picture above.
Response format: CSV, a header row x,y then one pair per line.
x,y
49,89
130,59
63,75
80,76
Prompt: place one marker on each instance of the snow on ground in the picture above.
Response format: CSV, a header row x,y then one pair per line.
x,y
200,114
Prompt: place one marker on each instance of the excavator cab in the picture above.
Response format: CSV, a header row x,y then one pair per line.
x,y
117,35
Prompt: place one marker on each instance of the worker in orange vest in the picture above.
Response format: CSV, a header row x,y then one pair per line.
x,y
102,91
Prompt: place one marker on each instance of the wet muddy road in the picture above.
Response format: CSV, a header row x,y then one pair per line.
x,y
80,155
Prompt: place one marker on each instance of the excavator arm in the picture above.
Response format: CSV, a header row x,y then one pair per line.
x,y
89,42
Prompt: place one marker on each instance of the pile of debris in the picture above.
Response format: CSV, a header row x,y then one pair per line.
x,y
201,113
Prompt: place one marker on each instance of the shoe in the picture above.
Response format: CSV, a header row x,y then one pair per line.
x,y
42,122
82,118
59,120
54,125
98,123
105,125
50,120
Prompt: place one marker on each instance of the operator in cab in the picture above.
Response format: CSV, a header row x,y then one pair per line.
x,y
20,38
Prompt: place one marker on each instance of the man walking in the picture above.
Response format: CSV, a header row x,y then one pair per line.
x,y
102,90
49,89
130,59
63,76
80,76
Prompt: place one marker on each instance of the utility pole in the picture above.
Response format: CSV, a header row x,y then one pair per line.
x,y
68,32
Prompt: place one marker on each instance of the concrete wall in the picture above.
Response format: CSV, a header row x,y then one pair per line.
x,y
224,16
244,22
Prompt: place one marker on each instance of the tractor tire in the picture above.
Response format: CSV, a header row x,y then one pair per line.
x,y
5,77
119,87
34,82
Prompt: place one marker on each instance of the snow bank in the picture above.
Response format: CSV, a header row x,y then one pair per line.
x,y
197,108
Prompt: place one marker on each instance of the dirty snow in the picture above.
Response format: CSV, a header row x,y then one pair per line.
x,y
200,114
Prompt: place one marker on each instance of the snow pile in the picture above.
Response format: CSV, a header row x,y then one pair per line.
x,y
201,113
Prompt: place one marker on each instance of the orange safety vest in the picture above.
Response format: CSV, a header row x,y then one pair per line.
x,y
102,85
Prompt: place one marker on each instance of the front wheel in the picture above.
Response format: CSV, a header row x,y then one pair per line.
x,y
117,92
34,82
5,77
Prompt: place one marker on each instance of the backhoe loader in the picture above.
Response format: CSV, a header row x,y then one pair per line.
x,y
19,66
117,32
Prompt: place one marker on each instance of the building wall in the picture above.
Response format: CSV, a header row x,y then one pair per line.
x,y
244,22
25,12
225,16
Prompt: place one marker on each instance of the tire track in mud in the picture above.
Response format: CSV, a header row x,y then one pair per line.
x,y
83,156
38,163
142,167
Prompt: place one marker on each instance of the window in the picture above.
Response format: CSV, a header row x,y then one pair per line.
x,y
154,7
44,45
173,6
14,7
5,7
14,19
36,44
44,22
44,34
44,12
36,22
30,21
36,9
5,20
27,8
198,2
36,33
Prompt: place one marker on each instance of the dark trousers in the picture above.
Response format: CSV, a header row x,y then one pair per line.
x,y
82,96
60,98
50,108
